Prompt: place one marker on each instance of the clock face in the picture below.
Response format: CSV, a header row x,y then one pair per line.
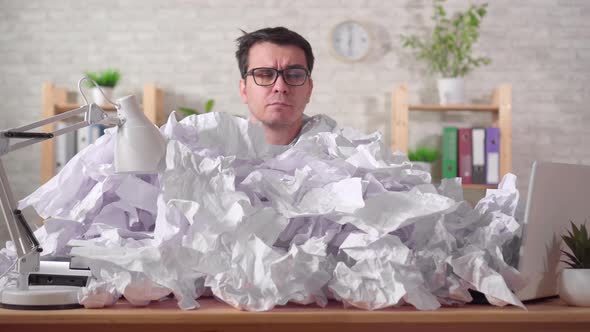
x,y
350,40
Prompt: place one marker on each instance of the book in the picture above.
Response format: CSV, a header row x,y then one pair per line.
x,y
87,136
465,165
449,153
478,174
65,146
492,155
83,138
95,131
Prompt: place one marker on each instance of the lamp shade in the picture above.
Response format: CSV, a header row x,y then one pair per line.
x,y
139,146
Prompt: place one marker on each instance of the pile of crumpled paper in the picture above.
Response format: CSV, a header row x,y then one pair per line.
x,y
335,215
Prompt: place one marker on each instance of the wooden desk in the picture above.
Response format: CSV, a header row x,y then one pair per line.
x,y
551,315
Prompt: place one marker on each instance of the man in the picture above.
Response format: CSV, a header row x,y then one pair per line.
x,y
275,65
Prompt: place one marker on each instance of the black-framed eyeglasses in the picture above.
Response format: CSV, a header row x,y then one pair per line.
x,y
268,76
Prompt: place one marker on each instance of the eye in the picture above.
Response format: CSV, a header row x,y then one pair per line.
x,y
295,74
264,73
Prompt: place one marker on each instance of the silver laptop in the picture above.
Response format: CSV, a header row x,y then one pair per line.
x,y
557,194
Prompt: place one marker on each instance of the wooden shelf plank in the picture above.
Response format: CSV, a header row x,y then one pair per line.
x,y
466,107
64,107
474,186
480,186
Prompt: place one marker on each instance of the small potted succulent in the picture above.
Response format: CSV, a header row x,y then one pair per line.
x,y
574,282
448,51
107,80
423,157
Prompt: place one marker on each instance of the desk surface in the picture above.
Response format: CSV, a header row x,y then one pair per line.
x,y
216,316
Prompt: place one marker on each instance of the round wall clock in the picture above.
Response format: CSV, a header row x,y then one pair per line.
x,y
350,40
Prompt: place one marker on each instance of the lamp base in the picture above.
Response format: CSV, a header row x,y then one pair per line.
x,y
40,298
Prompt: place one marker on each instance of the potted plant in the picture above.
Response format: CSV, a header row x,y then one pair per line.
x,y
423,157
107,80
448,51
574,281
191,111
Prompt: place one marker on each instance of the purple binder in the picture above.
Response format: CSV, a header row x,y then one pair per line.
x,y
492,155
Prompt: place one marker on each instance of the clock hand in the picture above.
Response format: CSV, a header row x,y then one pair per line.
x,y
349,44
349,40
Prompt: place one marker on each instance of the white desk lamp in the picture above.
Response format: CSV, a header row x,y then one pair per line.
x,y
139,148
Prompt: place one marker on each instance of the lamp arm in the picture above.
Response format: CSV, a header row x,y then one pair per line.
x,y
8,206
26,244
93,114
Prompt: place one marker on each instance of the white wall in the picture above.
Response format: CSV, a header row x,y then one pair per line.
x,y
541,47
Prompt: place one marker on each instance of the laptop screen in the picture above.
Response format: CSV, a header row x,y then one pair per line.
x,y
558,193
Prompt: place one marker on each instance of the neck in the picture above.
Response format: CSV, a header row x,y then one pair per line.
x,y
282,135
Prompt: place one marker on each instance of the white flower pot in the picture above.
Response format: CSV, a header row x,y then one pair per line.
x,y
574,287
451,91
98,98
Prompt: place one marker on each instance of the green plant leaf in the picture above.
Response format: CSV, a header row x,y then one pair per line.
x,y
424,154
569,241
578,242
448,50
106,78
482,10
571,257
209,105
187,111
586,258
583,232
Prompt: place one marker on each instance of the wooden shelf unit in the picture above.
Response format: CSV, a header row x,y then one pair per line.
x,y
501,109
55,101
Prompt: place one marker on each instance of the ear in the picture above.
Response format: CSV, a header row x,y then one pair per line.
x,y
310,89
243,91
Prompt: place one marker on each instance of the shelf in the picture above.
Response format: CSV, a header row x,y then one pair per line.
x,y
480,186
466,107
61,108
500,107
55,101
473,186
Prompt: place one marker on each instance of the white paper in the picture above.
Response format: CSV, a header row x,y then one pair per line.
x,y
334,215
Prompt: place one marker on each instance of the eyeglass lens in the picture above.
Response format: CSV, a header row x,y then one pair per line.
x,y
268,76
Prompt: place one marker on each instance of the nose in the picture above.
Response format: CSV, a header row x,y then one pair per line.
x,y
280,86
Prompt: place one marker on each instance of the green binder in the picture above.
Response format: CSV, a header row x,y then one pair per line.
x,y
449,152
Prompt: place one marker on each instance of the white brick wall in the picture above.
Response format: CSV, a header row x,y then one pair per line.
x,y
541,47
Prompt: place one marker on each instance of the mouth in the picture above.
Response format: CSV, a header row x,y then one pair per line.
x,y
279,104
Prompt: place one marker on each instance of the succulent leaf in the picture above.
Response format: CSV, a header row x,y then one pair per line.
x,y
578,243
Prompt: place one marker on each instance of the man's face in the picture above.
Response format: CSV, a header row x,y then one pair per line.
x,y
278,105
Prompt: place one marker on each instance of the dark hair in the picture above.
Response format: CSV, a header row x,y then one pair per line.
x,y
279,36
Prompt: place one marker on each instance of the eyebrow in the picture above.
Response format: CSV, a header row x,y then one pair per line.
x,y
295,66
287,67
